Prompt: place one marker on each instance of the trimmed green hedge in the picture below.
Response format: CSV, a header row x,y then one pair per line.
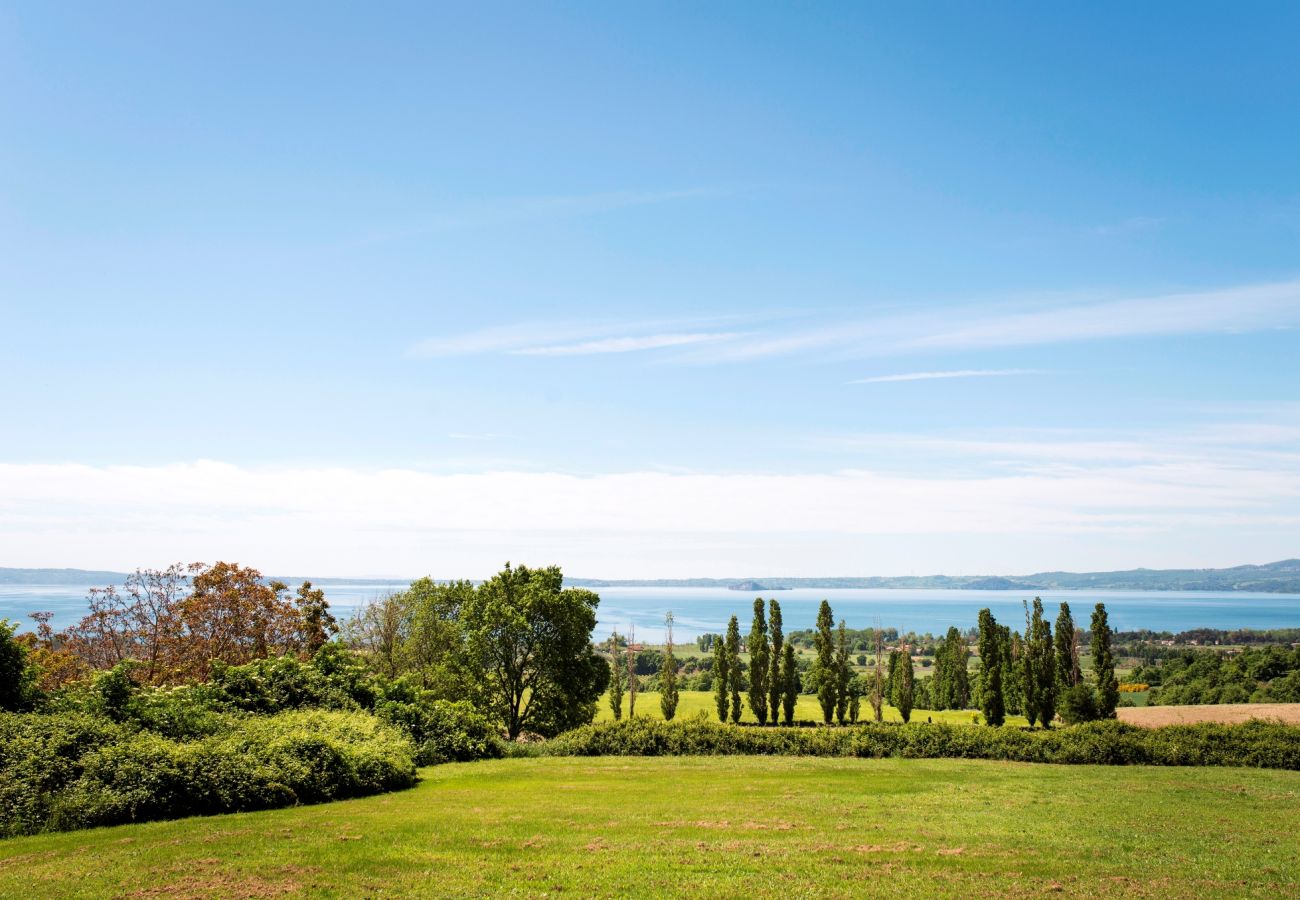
x,y
1258,744
74,770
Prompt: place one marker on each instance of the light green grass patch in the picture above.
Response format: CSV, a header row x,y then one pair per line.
x,y
716,827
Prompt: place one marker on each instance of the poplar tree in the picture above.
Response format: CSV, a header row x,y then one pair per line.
x,y
668,674
1068,673
842,674
1103,664
735,674
789,683
616,678
758,664
892,692
824,644
1039,669
992,665
1013,686
775,678
721,677
906,685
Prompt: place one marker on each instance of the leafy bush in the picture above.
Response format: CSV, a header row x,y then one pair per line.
x,y
76,770
443,731
1259,744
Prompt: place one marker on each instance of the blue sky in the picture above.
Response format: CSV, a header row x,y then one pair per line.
x,y
649,292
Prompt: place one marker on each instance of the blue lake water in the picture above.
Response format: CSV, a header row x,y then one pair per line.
x,y
697,610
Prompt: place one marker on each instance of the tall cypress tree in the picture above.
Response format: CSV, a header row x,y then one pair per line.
x,y
721,677
617,678
903,699
1067,651
1103,664
1039,668
735,672
842,674
992,665
1013,690
789,683
668,675
775,682
891,694
824,644
758,663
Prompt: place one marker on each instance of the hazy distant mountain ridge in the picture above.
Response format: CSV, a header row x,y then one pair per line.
x,y
1281,577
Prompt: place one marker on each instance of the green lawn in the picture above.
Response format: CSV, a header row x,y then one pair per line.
x,y
691,703
717,827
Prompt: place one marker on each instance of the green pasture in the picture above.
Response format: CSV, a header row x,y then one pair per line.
x,y
716,827
692,703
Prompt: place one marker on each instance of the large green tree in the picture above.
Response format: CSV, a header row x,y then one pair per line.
x,y
528,645
1103,664
758,663
775,683
824,644
16,677
736,672
992,665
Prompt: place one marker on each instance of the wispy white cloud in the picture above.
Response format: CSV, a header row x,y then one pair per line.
x,y
954,373
962,328
628,344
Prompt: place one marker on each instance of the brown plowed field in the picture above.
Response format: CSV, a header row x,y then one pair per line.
x,y
1151,716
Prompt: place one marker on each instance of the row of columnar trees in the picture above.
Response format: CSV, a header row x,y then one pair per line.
x,y
771,679
1040,674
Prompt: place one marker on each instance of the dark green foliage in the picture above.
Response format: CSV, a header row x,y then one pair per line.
x,y
891,682
992,664
617,678
735,668
1103,664
16,676
721,677
1068,673
842,674
789,684
668,693
1255,744
904,696
1039,667
758,663
72,770
775,680
1078,703
442,730
528,652
951,689
824,667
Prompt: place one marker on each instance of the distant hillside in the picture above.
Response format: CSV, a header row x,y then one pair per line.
x,y
1278,578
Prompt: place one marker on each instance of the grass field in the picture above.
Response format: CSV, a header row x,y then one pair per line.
x,y
716,827
691,703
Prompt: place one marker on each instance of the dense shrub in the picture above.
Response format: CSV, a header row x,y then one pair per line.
x,y
77,770
1257,744
443,731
